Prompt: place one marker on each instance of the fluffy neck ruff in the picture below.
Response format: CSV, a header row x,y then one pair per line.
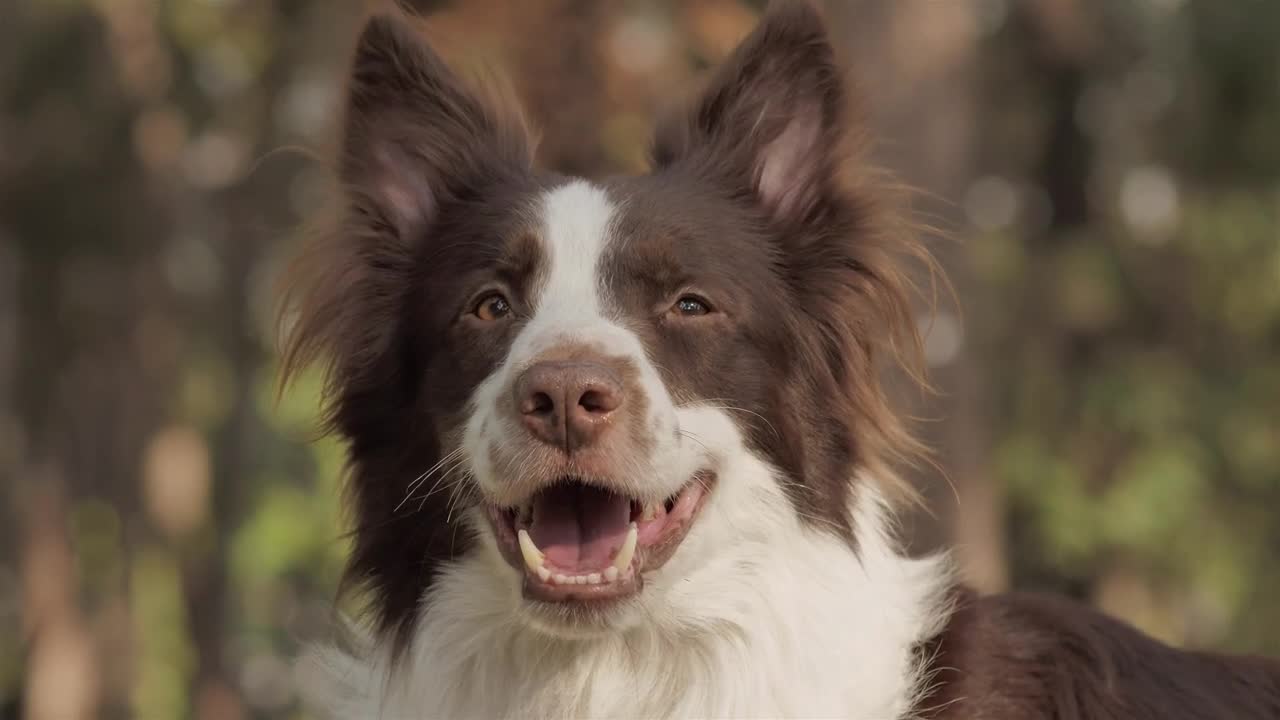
x,y
791,623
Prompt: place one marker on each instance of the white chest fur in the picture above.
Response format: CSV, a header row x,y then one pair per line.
x,y
796,625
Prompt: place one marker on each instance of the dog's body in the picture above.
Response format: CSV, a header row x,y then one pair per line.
x,y
619,448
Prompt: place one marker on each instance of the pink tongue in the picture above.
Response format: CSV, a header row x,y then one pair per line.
x,y
578,527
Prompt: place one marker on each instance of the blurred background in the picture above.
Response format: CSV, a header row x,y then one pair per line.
x,y
1110,407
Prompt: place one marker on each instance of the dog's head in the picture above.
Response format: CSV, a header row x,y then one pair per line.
x,y
592,392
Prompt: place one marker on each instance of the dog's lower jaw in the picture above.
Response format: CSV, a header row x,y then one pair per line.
x,y
791,623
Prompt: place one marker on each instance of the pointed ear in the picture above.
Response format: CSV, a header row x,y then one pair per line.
x,y
416,138
771,120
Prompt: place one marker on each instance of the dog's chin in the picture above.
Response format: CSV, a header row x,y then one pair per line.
x,y
582,551
579,620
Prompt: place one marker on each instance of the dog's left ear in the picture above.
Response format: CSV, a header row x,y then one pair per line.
x,y
771,120
417,136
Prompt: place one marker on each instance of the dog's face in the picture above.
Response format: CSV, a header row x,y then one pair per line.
x,y
592,391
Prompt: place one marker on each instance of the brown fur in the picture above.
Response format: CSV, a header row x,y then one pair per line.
x,y
1034,657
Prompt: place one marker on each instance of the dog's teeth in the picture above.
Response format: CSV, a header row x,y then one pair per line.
x,y
532,555
533,560
650,512
622,560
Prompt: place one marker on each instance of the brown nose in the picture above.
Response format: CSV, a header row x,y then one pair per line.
x,y
567,404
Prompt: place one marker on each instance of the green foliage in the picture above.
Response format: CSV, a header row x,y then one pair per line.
x,y
165,659
1134,341
1150,440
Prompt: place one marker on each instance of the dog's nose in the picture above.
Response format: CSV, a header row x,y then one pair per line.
x,y
567,404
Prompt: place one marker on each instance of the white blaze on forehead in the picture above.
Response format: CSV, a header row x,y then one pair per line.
x,y
576,223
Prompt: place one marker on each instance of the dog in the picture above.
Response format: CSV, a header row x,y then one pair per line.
x,y
619,448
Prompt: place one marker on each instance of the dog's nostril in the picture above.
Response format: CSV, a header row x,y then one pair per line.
x,y
541,404
594,401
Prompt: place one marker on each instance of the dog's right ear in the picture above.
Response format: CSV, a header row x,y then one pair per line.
x,y
415,137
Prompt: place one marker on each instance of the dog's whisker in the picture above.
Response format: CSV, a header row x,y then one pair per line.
x,y
442,482
444,475
454,497
694,438
413,486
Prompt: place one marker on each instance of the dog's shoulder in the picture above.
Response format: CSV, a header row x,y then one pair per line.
x,y
1037,657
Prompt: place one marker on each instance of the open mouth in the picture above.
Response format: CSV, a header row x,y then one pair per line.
x,y
578,541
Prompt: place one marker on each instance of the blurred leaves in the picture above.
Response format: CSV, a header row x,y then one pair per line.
x,y
165,659
1137,423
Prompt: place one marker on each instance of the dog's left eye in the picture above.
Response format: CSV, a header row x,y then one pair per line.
x,y
690,306
492,307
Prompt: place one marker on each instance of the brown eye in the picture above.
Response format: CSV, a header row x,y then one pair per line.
x,y
492,307
690,306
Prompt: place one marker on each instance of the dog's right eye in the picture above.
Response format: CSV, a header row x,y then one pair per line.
x,y
691,306
492,307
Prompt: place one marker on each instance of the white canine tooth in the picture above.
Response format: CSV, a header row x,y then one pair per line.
x,y
622,560
560,579
610,574
593,579
543,573
532,555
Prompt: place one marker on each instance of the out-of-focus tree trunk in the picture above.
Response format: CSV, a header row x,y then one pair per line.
x,y
914,61
64,677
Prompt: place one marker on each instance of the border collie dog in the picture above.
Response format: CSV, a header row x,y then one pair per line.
x,y
618,448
